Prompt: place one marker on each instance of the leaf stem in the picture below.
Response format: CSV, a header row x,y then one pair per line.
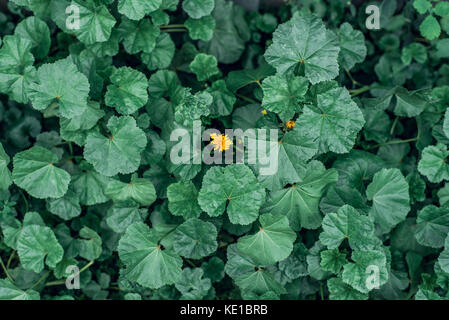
x,y
172,26
173,30
247,99
57,283
24,200
40,280
362,90
13,254
394,142
5,270
191,263
354,82
395,122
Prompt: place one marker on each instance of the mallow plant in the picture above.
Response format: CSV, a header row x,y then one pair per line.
x,y
165,149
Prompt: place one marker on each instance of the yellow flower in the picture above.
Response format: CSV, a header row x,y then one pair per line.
x,y
264,111
220,142
290,124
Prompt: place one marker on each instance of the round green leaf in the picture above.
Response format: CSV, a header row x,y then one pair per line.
x,y
198,8
433,163
304,40
137,9
201,29
234,186
128,91
120,153
67,207
283,95
349,224
334,122
352,45
389,192
146,262
162,54
36,244
432,226
195,239
204,66
138,189
35,171
62,84
95,22
37,31
182,200
272,243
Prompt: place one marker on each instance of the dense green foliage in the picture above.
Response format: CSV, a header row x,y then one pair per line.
x,y
357,209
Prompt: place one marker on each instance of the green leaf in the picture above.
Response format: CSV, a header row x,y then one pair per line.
x,y
224,100
195,239
422,6
334,122
332,260
234,187
198,8
182,200
35,171
138,36
162,54
90,185
227,44
430,28
137,9
123,214
128,91
283,95
338,290
192,285
95,22
87,120
37,31
146,262
37,244
204,66
358,274
389,192
16,70
5,174
300,201
339,195
67,207
415,51
433,163
90,246
443,259
352,44
349,224
241,78
214,269
441,9
202,28
293,151
432,226
409,103
356,167
272,243
193,107
120,153
304,42
138,189
61,84
259,282
9,291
